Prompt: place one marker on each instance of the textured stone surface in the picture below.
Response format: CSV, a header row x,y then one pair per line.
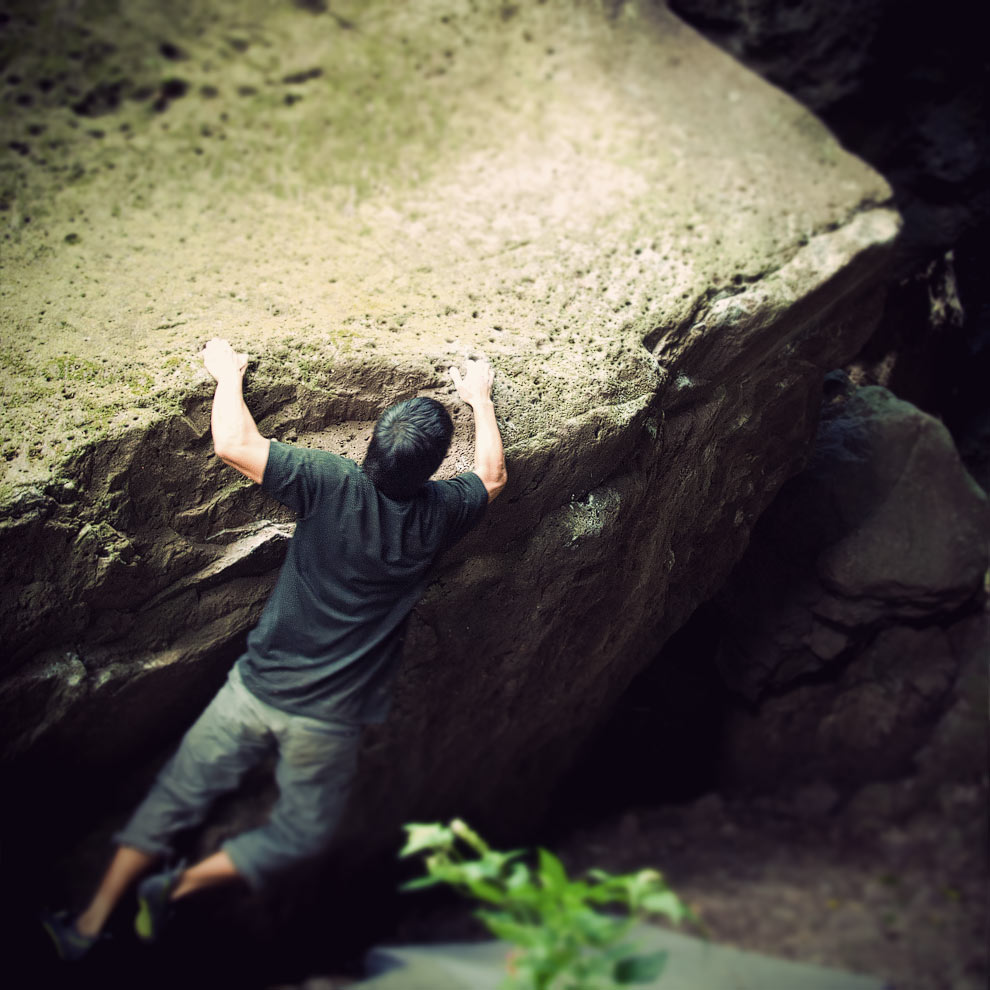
x,y
660,254
857,605
950,773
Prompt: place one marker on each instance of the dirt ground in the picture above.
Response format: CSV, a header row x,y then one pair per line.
x,y
907,903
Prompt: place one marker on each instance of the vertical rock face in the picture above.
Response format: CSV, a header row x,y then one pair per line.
x,y
660,254
855,619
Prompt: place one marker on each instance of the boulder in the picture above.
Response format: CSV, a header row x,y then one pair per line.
x,y
857,603
949,773
660,254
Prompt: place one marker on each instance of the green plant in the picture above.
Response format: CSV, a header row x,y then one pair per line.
x,y
565,937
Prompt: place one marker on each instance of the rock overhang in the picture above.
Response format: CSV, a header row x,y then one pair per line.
x,y
361,199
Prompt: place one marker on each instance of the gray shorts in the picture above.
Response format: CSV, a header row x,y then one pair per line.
x,y
316,763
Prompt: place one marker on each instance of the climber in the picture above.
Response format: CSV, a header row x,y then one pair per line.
x,y
320,662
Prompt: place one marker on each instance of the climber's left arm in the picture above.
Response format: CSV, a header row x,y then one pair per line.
x,y
236,438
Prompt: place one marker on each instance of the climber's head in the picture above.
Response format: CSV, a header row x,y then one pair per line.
x,y
409,441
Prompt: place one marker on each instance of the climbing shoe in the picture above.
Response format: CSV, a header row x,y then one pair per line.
x,y
154,895
70,944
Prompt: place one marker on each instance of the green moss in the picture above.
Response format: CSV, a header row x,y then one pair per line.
x,y
70,368
161,262
363,122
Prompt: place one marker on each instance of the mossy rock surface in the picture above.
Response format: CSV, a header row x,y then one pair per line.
x,y
384,187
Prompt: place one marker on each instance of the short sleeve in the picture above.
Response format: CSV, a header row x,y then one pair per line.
x,y
465,499
299,477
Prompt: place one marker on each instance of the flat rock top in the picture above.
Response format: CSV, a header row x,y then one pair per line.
x,y
379,184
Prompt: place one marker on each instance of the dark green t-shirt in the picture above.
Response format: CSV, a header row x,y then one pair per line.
x,y
330,637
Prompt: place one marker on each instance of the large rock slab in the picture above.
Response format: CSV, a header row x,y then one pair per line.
x,y
660,254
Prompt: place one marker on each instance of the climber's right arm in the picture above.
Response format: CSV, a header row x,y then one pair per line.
x,y
475,388
236,438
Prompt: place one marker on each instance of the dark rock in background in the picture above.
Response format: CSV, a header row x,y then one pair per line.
x,y
932,346
848,648
818,51
901,85
858,603
907,88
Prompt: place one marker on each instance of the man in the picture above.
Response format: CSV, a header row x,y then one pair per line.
x,y
320,662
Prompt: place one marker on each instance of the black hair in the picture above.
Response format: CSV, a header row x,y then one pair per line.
x,y
407,445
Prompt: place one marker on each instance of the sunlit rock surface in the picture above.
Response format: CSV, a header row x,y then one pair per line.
x,y
659,253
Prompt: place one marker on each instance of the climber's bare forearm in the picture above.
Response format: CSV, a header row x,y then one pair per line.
x,y
236,438
475,388
489,454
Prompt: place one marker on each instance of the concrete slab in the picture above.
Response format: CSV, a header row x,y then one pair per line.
x,y
693,964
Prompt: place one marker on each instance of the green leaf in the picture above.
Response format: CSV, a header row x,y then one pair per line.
x,y
596,928
552,871
608,887
426,836
519,878
502,925
667,903
600,875
462,831
566,937
485,891
439,866
420,882
601,894
639,969
479,869
499,861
